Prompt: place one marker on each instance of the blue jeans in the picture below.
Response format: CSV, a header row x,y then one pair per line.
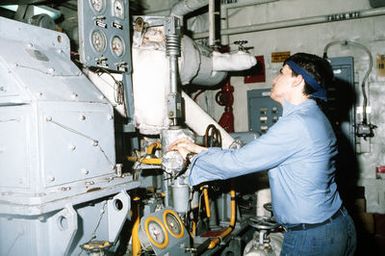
x,y
335,238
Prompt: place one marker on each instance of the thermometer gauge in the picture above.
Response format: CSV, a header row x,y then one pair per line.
x,y
173,224
98,40
118,9
98,5
156,232
117,46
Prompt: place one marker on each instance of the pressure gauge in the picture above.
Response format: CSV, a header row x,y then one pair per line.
x,y
117,46
98,40
156,232
98,5
174,224
118,9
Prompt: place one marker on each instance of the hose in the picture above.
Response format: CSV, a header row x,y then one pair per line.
x,y
214,242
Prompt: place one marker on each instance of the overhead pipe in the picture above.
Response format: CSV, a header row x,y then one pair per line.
x,y
225,14
298,22
184,7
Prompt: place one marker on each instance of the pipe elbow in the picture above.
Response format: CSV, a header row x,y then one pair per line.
x,y
233,62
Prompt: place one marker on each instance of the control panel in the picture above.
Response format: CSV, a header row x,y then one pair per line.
x,y
263,112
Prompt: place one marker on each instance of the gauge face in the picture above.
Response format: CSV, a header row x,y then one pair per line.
x,y
98,40
156,232
98,5
118,9
117,46
173,225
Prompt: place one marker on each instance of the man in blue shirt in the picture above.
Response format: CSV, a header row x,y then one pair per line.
x,y
299,153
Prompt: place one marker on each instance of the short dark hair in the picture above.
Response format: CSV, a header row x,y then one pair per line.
x,y
318,67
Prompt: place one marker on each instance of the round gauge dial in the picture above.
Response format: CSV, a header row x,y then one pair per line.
x,y
173,224
118,9
98,40
117,46
156,232
98,5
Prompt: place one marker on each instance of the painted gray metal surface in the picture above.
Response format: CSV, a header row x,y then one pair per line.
x,y
57,149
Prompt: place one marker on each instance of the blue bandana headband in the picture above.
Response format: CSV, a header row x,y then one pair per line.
x,y
319,92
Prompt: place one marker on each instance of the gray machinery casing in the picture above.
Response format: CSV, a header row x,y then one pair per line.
x,y
57,148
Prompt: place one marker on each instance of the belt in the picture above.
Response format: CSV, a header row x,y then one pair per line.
x,y
304,226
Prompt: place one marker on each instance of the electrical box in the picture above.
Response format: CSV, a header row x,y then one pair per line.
x,y
263,112
377,3
342,97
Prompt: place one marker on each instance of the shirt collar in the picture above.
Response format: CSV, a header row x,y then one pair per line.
x,y
288,108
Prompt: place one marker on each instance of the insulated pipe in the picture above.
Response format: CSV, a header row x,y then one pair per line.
x,y
297,22
184,7
231,226
198,120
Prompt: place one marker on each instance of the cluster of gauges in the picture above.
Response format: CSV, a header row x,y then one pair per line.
x,y
104,33
162,229
98,37
99,43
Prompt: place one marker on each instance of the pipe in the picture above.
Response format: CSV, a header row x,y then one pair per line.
x,y
152,161
184,7
297,22
173,51
198,120
212,22
231,226
207,202
151,148
136,247
225,18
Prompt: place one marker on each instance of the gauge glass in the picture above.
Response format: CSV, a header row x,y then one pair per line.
x,y
117,46
173,224
98,40
118,9
156,232
98,5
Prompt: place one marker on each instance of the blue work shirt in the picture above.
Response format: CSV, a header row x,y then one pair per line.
x,y
299,153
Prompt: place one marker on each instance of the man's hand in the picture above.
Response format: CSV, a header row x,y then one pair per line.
x,y
185,146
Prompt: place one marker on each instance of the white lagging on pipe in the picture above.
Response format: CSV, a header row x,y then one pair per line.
x,y
197,119
184,7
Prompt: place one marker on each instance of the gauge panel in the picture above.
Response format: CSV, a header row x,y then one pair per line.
x,y
156,232
104,34
173,224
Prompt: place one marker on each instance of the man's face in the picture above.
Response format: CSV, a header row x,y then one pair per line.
x,y
282,84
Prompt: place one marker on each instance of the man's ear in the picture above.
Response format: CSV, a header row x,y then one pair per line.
x,y
298,81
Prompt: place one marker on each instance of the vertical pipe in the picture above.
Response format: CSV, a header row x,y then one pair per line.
x,y
136,247
173,51
211,22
